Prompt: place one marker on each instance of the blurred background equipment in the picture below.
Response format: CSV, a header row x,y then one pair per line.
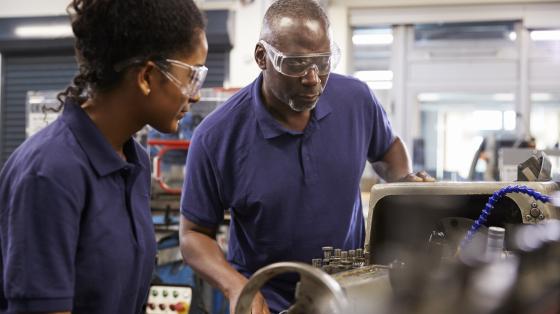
x,y
168,153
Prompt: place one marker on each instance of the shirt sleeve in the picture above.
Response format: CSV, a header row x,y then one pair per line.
x,y
382,133
201,200
40,235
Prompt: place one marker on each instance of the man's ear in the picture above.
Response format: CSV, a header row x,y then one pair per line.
x,y
260,56
145,79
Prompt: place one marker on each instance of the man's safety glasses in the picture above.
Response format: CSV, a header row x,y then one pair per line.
x,y
194,77
299,65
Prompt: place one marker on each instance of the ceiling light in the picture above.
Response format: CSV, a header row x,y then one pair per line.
x,y
374,75
380,85
428,97
512,36
503,97
541,97
44,31
549,35
372,39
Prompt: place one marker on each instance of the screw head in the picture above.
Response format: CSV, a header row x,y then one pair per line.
x,y
541,217
534,204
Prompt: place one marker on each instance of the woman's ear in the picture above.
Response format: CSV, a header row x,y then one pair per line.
x,y
260,56
144,78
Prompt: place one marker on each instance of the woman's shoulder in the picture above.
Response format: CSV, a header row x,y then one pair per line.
x,y
53,151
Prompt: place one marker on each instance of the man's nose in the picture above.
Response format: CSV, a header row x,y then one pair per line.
x,y
311,76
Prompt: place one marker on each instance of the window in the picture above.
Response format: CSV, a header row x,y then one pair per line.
x,y
455,124
372,60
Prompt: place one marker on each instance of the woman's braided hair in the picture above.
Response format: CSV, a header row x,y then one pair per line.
x,y
111,31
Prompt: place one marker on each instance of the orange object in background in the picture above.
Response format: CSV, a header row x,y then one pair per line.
x,y
164,147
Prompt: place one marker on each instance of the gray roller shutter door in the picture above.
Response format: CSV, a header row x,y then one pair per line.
x,y
218,66
22,74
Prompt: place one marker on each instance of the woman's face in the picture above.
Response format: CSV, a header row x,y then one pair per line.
x,y
169,104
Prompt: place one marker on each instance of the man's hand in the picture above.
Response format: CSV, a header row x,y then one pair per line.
x,y
258,306
420,176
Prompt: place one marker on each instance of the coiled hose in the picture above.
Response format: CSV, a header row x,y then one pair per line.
x,y
490,205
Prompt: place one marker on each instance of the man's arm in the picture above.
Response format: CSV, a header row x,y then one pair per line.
x,y
201,251
396,165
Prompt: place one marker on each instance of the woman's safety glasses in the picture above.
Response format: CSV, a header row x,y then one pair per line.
x,y
299,65
190,86
192,78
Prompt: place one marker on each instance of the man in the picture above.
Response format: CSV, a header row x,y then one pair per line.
x,y
285,155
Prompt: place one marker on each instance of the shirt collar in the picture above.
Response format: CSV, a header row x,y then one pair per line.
x,y
103,158
268,125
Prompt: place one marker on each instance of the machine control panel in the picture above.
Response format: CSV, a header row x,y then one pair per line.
x,y
169,299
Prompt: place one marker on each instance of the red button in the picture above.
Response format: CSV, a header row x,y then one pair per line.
x,y
162,306
180,307
151,306
172,307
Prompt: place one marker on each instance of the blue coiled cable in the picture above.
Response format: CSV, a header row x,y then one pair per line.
x,y
493,200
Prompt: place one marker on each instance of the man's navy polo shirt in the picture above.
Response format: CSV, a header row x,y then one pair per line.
x,y
76,228
290,193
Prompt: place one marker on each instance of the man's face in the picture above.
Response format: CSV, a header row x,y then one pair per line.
x,y
297,37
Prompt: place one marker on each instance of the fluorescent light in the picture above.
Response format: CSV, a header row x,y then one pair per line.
x,y
428,97
374,75
503,97
380,85
36,99
512,36
372,39
541,97
44,31
550,35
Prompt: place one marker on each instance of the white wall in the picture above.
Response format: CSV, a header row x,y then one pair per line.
x,y
338,16
13,8
247,26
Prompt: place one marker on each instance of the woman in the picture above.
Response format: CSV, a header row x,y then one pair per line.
x,y
75,225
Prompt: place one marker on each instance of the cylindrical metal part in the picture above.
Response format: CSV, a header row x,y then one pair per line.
x,y
316,262
344,255
327,251
359,253
337,252
495,243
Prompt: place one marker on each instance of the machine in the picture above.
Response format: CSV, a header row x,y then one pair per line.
x,y
426,251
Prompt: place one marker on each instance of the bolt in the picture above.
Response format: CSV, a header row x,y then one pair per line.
x,y
344,255
534,205
535,212
337,252
316,262
359,252
541,217
528,217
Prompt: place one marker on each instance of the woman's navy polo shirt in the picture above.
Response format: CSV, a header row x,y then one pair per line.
x,y
75,225
290,193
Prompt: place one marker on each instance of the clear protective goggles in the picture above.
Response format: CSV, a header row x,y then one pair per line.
x,y
299,65
195,76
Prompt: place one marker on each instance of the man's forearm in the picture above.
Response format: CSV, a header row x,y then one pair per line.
x,y
204,255
395,164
